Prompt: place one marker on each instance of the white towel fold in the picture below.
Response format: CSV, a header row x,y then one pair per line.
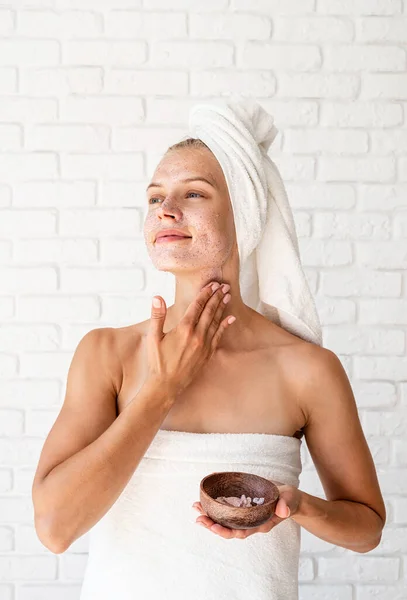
x,y
272,280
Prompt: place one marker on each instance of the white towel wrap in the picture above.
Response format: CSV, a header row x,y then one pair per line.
x,y
148,546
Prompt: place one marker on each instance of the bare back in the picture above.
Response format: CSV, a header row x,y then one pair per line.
x,y
255,390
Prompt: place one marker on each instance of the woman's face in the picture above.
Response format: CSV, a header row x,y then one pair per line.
x,y
197,208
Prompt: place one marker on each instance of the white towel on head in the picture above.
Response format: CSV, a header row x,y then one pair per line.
x,y
272,280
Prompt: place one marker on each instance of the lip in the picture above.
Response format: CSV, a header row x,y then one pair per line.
x,y
172,233
171,239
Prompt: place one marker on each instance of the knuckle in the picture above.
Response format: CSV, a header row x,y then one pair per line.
x,y
216,318
185,328
187,324
198,341
211,300
215,322
200,304
216,306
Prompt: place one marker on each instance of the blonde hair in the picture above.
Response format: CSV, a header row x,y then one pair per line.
x,y
189,143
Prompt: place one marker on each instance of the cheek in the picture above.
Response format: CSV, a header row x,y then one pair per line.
x,y
215,234
148,227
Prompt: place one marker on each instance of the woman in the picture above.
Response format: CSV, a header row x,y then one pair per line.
x,y
203,394
211,254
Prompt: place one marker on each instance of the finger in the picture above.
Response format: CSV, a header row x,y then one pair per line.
x,y
215,306
275,520
194,310
158,313
229,533
217,316
205,520
227,322
281,510
264,528
225,532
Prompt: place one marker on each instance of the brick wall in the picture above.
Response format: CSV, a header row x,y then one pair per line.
x,y
91,93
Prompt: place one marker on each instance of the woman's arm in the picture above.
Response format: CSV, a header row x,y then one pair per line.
x,y
353,516
354,513
90,454
352,525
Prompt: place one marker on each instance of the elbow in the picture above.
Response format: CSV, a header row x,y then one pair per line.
x,y
369,548
47,525
55,547
374,543
48,538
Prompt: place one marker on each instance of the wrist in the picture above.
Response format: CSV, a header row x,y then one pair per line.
x,y
160,387
300,510
310,507
302,506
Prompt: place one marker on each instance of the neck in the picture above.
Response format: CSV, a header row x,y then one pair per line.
x,y
187,288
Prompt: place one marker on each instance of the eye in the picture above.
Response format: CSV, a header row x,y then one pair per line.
x,y
154,198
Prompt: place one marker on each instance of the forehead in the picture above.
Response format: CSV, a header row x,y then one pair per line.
x,y
182,163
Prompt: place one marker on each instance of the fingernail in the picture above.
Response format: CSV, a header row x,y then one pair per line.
x,y
215,286
225,287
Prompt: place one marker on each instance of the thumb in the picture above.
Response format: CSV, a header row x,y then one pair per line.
x,y
158,312
282,509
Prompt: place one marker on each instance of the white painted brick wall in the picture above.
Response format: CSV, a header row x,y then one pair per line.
x,y
91,93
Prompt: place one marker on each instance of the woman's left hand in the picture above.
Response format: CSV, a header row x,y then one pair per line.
x,y
286,507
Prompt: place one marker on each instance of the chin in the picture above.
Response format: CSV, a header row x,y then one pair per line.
x,y
177,268
172,263
181,261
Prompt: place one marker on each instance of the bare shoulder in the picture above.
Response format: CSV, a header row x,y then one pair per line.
x,y
125,349
304,365
297,360
325,385
290,348
314,370
128,337
320,366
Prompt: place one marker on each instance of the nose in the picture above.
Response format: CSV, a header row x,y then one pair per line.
x,y
169,208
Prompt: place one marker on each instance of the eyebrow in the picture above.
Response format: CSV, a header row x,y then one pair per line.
x,y
157,184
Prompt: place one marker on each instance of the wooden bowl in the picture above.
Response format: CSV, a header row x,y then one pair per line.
x,y
235,483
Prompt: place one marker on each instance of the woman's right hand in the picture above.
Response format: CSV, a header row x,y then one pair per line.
x,y
175,357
